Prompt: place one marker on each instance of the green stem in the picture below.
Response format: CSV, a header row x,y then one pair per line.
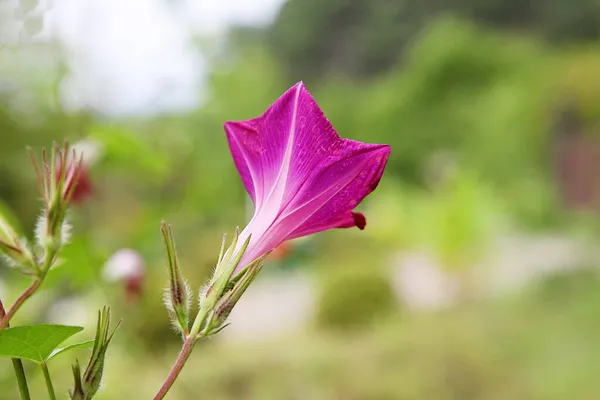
x,y
47,263
18,367
184,354
48,380
5,318
21,379
4,322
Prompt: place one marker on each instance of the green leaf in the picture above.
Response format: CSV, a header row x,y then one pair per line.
x,y
34,342
74,346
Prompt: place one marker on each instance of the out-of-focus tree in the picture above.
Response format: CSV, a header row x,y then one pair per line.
x,y
365,37
482,96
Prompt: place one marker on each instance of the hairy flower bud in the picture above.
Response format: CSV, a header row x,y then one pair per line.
x,y
58,178
229,299
221,280
86,386
15,250
77,392
177,296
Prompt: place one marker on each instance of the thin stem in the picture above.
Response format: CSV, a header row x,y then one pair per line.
x,y
22,299
5,318
21,379
186,350
48,380
46,264
18,367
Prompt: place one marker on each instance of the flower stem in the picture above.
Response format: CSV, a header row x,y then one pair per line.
x,y
46,264
21,379
5,318
186,350
22,299
48,380
17,366
184,354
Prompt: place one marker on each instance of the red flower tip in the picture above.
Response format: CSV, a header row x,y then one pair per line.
x,y
359,220
84,188
81,188
134,286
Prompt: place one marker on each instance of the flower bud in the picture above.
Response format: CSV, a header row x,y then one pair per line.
x,y
90,152
86,386
223,272
82,189
58,178
229,299
127,267
177,295
77,392
14,249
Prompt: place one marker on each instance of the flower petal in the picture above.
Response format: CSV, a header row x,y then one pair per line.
x,y
302,177
289,143
336,191
262,147
323,202
346,220
246,149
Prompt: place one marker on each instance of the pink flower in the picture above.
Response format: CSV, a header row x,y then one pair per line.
x,y
127,266
81,188
302,177
77,182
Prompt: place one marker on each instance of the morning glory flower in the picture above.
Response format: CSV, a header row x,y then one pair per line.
x,y
302,177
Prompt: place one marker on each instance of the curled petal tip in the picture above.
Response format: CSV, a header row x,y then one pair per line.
x,y
359,220
230,124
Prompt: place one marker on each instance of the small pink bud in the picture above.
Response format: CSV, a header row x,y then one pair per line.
x,y
81,188
134,286
128,267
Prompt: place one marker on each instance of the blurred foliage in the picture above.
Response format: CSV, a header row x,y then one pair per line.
x,y
460,222
581,81
467,93
462,98
457,223
354,297
367,37
488,98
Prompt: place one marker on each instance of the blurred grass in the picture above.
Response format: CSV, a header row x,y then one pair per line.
x,y
540,345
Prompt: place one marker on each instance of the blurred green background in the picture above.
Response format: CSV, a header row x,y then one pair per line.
x,y
477,275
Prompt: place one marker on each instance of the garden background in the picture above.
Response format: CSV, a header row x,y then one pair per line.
x,y
477,274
